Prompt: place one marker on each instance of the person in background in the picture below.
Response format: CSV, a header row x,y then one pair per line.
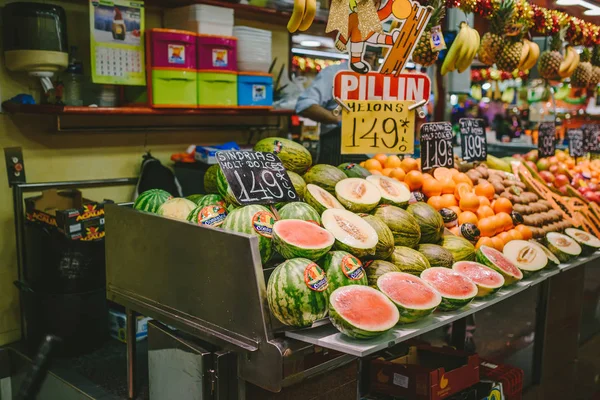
x,y
317,103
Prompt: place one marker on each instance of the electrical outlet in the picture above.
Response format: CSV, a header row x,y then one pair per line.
x,y
15,165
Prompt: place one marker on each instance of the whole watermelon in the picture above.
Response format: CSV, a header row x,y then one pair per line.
x,y
461,248
403,225
436,255
224,189
430,221
385,245
409,260
298,183
211,199
342,269
296,292
253,220
353,170
376,268
210,179
299,210
293,155
195,197
324,176
151,200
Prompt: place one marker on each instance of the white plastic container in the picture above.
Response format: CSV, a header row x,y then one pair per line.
x,y
253,49
201,18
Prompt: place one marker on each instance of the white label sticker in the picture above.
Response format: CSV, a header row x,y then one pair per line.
x,y
75,228
401,380
259,92
176,53
219,58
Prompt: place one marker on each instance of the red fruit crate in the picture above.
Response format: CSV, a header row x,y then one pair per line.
x,y
510,377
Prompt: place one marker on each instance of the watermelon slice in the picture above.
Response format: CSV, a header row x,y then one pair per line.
x,y
496,260
587,241
392,191
456,289
563,246
357,195
352,233
551,257
487,280
295,238
414,298
362,312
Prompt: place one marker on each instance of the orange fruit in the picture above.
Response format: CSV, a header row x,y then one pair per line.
x,y
487,227
382,158
409,164
414,179
405,184
469,202
431,187
461,189
484,241
372,163
505,221
435,202
387,171
362,164
456,209
467,217
484,212
375,172
427,176
461,177
485,189
483,201
498,243
455,231
448,200
502,204
505,237
441,173
524,231
398,173
515,235
392,162
448,185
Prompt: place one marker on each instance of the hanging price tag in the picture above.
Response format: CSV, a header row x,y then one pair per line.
x,y
436,145
378,127
256,177
546,139
473,141
591,137
575,142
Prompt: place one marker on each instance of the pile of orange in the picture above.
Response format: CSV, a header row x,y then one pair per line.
x,y
405,170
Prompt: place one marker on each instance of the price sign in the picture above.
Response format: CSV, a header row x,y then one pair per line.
x,y
378,127
547,139
591,137
256,177
436,145
473,141
575,142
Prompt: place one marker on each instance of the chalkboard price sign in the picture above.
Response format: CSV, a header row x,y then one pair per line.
x,y
256,177
547,139
575,142
473,141
436,145
591,137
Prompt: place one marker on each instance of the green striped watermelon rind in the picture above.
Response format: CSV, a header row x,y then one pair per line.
x,y
482,290
409,315
376,268
343,269
300,210
325,176
409,260
403,225
195,198
450,303
253,220
289,250
494,259
385,244
210,199
151,200
351,330
224,189
210,179
315,203
295,292
293,156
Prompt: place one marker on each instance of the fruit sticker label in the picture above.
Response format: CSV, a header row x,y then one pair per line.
x,y
437,39
352,267
212,215
263,222
176,53
315,278
219,58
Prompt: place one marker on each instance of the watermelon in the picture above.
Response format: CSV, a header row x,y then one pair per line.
x,y
587,241
299,210
362,312
552,259
487,280
320,199
298,183
151,200
495,260
352,233
430,221
392,191
224,189
357,195
212,199
324,176
253,220
342,269
295,292
295,238
385,244
526,256
414,298
176,208
461,248
353,170
210,179
195,198
293,156
403,225
212,215
562,246
409,260
456,289
375,268
436,255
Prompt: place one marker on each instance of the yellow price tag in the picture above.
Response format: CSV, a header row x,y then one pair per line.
x,y
378,127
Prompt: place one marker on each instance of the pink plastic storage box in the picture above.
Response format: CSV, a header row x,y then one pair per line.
x,y
173,49
217,53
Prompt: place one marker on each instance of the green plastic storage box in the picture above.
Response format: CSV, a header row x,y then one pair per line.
x,y
217,89
174,88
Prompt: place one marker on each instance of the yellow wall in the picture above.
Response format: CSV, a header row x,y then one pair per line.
x,y
52,156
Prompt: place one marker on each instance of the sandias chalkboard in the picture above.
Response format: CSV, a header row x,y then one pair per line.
x,y
256,177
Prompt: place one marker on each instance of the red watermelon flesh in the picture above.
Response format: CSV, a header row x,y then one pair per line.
x,y
364,307
478,273
303,234
450,283
496,260
408,290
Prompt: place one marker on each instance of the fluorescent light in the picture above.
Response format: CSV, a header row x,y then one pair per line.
x,y
310,43
317,53
592,12
567,2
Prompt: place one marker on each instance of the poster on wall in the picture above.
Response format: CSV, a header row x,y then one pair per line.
x,y
116,42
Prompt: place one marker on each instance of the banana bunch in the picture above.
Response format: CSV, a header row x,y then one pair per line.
x,y
463,50
529,55
569,64
302,16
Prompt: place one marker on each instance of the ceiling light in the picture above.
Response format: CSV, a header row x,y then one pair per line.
x,y
595,11
317,53
310,43
567,2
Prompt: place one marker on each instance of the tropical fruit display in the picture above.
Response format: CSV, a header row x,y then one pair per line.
x,y
151,200
493,41
462,51
487,280
455,288
295,238
496,261
424,54
526,256
342,269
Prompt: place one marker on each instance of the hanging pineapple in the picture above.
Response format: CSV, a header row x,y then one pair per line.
x,y
509,57
424,54
583,72
492,42
595,78
550,60
514,53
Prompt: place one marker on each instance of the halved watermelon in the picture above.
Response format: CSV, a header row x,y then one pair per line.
x,y
563,246
496,261
587,241
552,259
320,199
352,233
357,194
392,191
487,280
414,298
362,312
293,238
526,256
456,289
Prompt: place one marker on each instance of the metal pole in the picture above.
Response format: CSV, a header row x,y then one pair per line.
x,y
540,330
131,347
18,217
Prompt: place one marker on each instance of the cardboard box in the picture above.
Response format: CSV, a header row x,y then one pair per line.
x,y
117,326
76,217
425,373
509,378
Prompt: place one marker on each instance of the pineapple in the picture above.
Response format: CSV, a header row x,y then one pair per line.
x,y
509,57
492,42
595,77
583,72
596,56
550,60
423,53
